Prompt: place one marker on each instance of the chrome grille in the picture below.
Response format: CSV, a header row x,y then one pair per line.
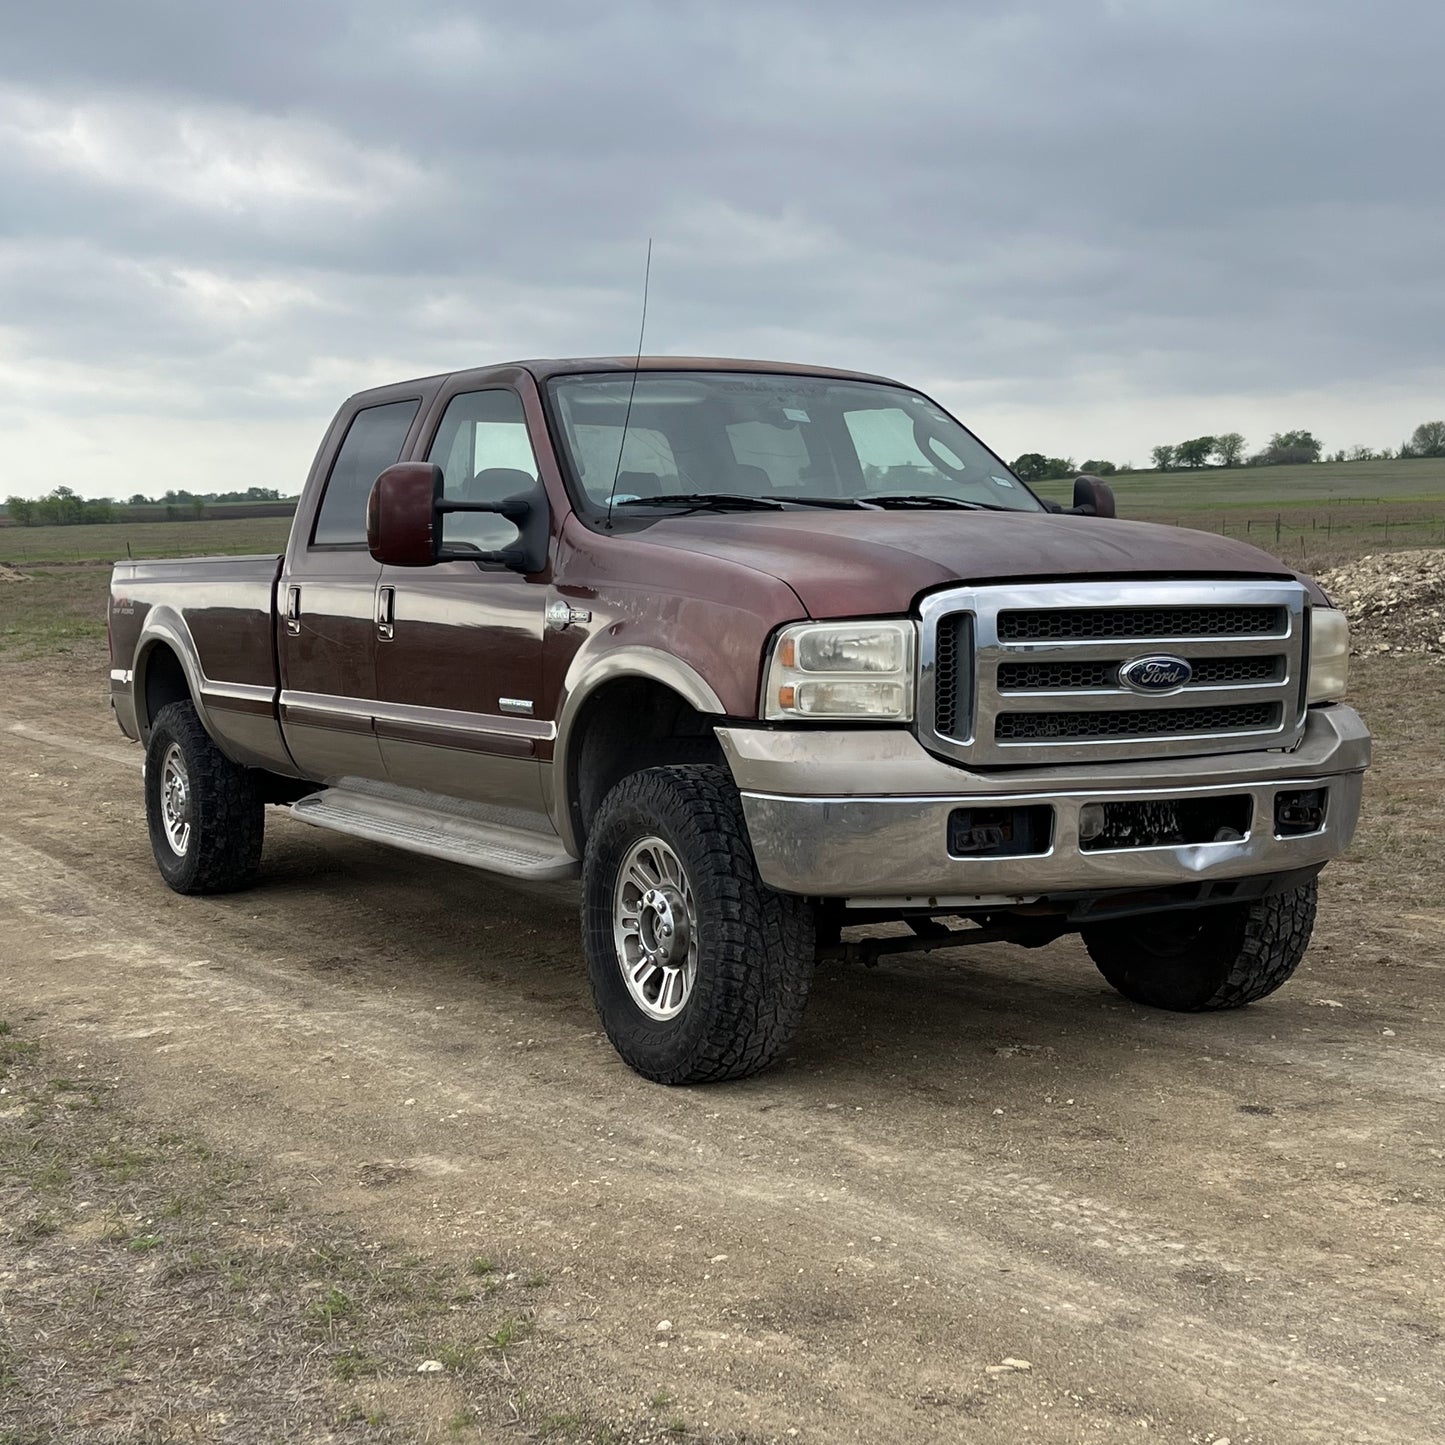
x,y
1023,674
1137,722
1084,676
1075,624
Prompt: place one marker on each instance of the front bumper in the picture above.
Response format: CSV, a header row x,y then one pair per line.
x,y
864,815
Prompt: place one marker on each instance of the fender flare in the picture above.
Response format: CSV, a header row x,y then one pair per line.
x,y
649,663
166,627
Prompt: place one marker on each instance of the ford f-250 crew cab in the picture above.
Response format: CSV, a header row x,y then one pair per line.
x,y
766,653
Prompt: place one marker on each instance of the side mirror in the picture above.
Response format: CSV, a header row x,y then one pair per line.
x,y
1093,498
401,520
404,521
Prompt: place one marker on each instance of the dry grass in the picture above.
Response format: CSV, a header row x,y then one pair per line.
x,y
161,1294
1396,865
53,612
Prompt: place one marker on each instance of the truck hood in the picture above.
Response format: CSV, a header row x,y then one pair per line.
x,y
851,564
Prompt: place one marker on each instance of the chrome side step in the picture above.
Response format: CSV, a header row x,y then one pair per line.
x,y
453,834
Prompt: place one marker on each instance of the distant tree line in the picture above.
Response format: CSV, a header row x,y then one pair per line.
x,y
1228,450
64,508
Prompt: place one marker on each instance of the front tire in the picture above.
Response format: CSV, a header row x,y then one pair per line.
x,y
1207,958
700,972
205,815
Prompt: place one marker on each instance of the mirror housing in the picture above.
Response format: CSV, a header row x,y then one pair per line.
x,y
405,512
1093,497
401,528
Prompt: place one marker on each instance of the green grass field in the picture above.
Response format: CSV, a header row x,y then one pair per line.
x,y
110,542
1312,516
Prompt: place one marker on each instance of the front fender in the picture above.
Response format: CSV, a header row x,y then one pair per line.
x,y
584,677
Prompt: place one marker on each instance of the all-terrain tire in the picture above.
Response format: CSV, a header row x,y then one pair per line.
x,y
1206,958
189,781
754,947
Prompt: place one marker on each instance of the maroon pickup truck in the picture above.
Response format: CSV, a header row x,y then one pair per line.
x,y
765,654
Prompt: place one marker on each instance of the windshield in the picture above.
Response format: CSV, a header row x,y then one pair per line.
x,y
778,438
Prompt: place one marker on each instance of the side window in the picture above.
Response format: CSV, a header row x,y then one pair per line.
x,y
485,455
889,454
373,442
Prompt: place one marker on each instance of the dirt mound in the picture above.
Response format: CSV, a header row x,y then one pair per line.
x,y
9,574
1395,602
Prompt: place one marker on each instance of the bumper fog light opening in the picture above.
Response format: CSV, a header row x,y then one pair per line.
x,y
1300,812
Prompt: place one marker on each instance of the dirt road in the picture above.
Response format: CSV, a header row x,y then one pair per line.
x,y
1190,1229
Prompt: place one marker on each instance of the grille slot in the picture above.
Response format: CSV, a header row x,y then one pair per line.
x,y
1080,676
1089,624
1136,722
949,674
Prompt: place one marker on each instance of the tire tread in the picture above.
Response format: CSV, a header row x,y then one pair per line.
x,y
760,943
230,819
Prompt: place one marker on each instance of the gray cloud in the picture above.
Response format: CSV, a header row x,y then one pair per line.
x,y
1089,225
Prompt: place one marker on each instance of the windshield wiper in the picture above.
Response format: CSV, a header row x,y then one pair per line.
x,y
698,501
929,499
847,503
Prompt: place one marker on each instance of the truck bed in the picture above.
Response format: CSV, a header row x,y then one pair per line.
x,y
210,626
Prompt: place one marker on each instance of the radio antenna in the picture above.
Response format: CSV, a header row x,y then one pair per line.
x,y
631,390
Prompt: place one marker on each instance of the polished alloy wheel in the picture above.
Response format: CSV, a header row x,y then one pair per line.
x,y
176,800
654,926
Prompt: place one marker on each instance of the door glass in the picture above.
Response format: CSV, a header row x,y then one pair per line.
x,y
485,455
373,442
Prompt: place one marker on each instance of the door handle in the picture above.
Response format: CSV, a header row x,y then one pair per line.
x,y
293,611
385,613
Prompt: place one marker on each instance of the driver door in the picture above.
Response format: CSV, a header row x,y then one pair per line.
x,y
459,647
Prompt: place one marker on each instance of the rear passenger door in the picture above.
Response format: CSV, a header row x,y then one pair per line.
x,y
459,671
326,632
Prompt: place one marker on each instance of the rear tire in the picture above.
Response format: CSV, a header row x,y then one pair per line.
x,y
204,812
1206,958
700,972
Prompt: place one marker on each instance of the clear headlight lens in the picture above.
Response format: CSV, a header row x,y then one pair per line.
x,y
842,670
1329,654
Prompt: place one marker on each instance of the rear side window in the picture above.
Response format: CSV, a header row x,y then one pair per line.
x,y
373,442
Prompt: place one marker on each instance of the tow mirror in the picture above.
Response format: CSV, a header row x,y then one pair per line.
x,y
1093,497
405,512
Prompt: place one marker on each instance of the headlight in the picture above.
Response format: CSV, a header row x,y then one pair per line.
x,y
1329,654
842,670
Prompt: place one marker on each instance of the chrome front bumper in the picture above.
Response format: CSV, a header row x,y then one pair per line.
x,y
864,815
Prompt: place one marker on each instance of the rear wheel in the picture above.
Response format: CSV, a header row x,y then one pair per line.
x,y
1206,958
700,972
204,812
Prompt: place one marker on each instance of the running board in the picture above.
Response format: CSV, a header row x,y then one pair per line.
x,y
496,847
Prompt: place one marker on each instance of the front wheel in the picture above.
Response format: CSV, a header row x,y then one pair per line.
x,y
1206,958
700,971
205,815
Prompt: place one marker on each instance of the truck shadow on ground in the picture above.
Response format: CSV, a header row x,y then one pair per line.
x,y
954,1027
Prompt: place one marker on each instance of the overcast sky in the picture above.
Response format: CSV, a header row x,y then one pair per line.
x,y
1086,226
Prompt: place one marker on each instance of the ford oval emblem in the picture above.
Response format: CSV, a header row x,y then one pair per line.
x,y
1155,674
